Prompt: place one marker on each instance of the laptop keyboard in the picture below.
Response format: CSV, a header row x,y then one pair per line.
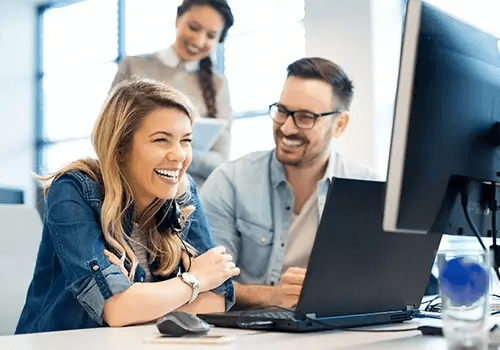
x,y
271,314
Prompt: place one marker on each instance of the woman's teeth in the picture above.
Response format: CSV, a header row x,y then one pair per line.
x,y
192,49
169,174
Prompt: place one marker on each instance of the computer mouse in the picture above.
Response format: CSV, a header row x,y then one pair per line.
x,y
179,323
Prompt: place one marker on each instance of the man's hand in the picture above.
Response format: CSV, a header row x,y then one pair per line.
x,y
286,292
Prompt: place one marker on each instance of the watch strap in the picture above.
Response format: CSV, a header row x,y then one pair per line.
x,y
193,283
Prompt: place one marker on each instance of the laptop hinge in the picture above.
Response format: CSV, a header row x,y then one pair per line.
x,y
410,307
311,316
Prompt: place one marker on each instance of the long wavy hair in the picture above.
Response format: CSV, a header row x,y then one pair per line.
x,y
121,116
205,72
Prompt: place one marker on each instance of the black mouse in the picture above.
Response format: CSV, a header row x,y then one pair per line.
x,y
178,323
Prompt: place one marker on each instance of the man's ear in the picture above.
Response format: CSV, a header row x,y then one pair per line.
x,y
340,124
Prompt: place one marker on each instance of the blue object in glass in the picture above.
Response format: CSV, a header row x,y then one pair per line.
x,y
464,282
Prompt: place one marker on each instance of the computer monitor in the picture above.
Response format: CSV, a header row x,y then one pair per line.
x,y
446,131
11,196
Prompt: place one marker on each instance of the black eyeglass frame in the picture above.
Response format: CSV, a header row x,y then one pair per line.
x,y
292,114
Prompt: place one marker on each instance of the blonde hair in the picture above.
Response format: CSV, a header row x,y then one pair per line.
x,y
121,116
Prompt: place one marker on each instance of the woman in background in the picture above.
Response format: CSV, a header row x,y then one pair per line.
x,y
125,238
187,66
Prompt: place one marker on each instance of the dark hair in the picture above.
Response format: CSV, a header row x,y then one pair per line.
x,y
205,73
320,68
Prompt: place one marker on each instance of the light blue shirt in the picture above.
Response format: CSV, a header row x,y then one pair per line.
x,y
249,205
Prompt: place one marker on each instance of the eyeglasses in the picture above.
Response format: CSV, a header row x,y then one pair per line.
x,y
301,119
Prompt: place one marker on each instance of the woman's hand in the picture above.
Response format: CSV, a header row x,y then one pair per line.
x,y
212,268
115,261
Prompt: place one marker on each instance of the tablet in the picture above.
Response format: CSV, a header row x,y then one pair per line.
x,y
206,132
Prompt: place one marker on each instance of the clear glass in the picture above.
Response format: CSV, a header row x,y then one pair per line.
x,y
80,44
464,281
266,37
243,131
261,14
86,31
71,105
302,120
149,25
60,154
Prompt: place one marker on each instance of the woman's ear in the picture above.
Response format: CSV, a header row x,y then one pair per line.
x,y
121,158
340,124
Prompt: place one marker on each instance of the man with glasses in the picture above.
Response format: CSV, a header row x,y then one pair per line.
x,y
265,207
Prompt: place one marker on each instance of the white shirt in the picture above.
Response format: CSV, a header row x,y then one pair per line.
x,y
169,58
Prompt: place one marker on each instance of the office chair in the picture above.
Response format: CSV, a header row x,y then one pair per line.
x,y
20,234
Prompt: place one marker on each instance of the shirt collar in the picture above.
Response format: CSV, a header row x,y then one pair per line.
x,y
334,152
278,171
169,58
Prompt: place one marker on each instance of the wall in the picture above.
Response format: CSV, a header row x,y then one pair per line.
x,y
387,25
340,30
17,38
363,37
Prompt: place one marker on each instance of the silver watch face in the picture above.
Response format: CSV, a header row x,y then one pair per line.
x,y
190,278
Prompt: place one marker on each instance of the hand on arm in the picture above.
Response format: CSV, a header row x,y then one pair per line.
x,y
212,268
215,264
145,302
285,293
115,261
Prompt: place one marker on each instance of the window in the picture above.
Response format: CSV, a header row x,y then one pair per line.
x,y
266,37
78,53
81,41
149,25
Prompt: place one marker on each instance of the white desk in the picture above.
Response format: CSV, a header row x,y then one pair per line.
x,y
135,338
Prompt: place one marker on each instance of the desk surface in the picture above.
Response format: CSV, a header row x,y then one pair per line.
x,y
136,338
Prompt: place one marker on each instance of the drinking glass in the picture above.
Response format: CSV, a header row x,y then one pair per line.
x,y
464,282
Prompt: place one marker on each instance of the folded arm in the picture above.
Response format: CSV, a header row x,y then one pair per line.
x,y
145,302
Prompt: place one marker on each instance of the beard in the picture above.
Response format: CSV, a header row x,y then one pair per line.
x,y
283,156
310,153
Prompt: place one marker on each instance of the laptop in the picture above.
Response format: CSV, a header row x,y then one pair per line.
x,y
357,274
206,131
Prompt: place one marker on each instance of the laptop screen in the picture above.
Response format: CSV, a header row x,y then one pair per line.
x,y
356,267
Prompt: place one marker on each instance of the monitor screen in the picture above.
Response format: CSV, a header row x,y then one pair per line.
x,y
11,196
446,129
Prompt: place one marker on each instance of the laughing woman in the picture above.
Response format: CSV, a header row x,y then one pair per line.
x,y
125,235
186,65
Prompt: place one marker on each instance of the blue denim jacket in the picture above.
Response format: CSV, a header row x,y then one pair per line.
x,y
72,277
248,202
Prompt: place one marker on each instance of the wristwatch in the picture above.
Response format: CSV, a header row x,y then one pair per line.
x,y
192,281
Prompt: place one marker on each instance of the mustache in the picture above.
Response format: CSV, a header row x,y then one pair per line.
x,y
295,137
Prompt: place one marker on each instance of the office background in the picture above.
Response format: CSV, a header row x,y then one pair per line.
x,y
363,36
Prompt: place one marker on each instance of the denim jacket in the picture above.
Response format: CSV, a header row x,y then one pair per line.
x,y
72,277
